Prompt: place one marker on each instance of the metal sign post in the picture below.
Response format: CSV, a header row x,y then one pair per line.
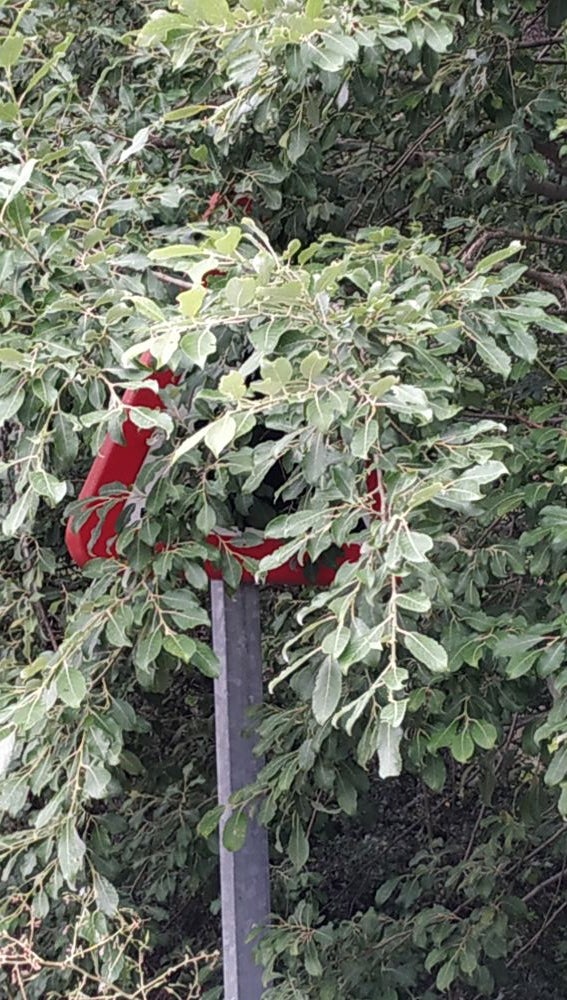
x,y
245,883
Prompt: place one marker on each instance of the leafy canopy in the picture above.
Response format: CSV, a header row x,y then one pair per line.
x,y
377,283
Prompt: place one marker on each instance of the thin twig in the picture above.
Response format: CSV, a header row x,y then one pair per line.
x,y
173,281
543,885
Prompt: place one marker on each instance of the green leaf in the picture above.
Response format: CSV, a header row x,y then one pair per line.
x,y
65,439
234,832
9,405
106,896
414,546
334,643
145,307
462,746
497,359
428,651
364,438
71,686
296,141
233,386
327,690
97,780
279,372
181,607
70,852
434,773
229,241
210,821
302,522
311,960
7,744
189,444
298,844
487,263
557,769
10,358
335,52
198,346
216,12
147,648
47,486
190,302
23,176
19,513
438,36
187,111
320,412
523,344
313,8
11,50
14,791
182,647
382,386
240,292
446,975
414,600
466,489
313,365
394,712
138,142
522,663
388,749
220,434
385,891
205,660
552,659
56,804
347,795
484,733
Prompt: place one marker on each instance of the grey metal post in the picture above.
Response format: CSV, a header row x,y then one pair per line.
x,y
245,886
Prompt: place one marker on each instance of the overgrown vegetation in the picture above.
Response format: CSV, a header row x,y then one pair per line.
x,y
380,190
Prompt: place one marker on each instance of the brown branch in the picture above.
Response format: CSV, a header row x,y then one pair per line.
x,y
539,43
560,832
533,941
517,234
556,283
470,253
547,189
543,885
172,281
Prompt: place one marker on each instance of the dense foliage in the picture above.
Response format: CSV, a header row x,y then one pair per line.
x,y
343,225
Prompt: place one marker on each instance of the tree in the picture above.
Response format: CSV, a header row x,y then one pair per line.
x,y
340,223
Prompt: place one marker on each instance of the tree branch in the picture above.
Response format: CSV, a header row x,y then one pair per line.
x,y
547,189
551,282
539,43
172,281
543,885
518,234
556,283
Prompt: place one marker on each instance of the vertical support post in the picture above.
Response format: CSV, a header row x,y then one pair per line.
x,y
245,887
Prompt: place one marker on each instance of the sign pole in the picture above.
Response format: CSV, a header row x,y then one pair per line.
x,y
245,886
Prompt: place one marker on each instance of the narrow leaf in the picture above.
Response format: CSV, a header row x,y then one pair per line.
x,y
327,691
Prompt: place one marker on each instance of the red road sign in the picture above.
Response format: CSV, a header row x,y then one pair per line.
x,y
121,463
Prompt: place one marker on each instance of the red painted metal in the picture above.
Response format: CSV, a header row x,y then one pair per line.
x,y
121,463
